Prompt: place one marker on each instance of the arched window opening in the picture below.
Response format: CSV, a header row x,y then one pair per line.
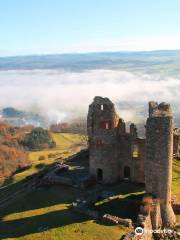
x,y
135,153
106,125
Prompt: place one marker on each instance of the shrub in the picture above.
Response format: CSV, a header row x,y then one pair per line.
x,y
38,139
41,158
52,155
12,159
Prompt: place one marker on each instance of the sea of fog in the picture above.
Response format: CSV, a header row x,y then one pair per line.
x,y
60,95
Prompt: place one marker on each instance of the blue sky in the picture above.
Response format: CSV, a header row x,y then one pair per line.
x,y
58,26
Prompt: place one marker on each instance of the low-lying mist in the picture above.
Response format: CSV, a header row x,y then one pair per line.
x,y
61,95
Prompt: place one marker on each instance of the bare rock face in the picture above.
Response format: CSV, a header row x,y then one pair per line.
x,y
159,154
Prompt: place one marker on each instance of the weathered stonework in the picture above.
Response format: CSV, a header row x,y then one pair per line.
x,y
158,162
114,153
176,141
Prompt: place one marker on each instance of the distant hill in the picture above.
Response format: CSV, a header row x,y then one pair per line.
x,y
20,118
11,112
167,61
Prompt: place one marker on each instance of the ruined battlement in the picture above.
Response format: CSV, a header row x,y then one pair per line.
x,y
116,154
101,100
177,132
102,106
101,116
113,150
160,110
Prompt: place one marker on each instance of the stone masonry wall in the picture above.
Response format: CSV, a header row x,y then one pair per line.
x,y
176,141
102,128
111,147
159,153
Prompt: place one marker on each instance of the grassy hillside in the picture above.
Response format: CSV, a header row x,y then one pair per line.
x,y
176,183
46,213
66,145
176,179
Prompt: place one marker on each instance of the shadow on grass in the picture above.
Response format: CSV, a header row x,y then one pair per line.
x,y
125,187
124,208
7,181
79,166
81,159
177,211
10,188
37,200
40,166
41,198
50,196
35,224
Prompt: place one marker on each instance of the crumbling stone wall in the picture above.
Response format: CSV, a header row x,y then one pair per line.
x,y
101,125
159,153
138,161
176,143
111,147
116,154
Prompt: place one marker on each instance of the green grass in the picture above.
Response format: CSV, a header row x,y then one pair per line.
x,y
50,208
66,145
46,213
126,206
39,210
176,184
176,179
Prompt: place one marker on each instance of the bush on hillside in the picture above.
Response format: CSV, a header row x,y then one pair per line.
x,y
38,139
13,157
41,158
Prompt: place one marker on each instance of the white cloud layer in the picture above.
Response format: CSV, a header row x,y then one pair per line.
x,y
59,95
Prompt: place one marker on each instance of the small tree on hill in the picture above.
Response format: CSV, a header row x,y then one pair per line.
x,y
38,139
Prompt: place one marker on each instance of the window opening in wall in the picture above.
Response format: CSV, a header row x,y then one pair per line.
x,y
106,125
135,151
102,107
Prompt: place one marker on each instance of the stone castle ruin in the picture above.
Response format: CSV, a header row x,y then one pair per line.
x,y
176,143
158,161
117,154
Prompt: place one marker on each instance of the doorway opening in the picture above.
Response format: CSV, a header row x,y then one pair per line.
x,y
99,174
127,172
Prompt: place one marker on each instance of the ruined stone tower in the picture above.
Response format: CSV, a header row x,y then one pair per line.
x,y
101,125
158,163
114,153
176,140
